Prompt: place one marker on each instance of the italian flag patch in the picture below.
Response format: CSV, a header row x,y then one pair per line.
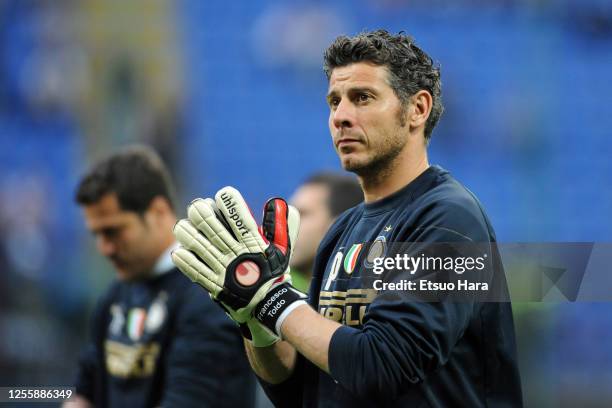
x,y
136,321
350,260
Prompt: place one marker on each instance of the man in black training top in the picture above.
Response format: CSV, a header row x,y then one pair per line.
x,y
352,345
156,341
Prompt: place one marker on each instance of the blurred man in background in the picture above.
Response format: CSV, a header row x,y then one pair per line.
x,y
156,339
320,200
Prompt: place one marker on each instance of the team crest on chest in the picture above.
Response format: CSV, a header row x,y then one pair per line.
x,y
377,249
158,311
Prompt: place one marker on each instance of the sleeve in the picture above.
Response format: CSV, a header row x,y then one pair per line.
x,y
88,381
206,362
402,341
87,367
288,393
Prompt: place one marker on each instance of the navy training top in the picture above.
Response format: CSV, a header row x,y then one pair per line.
x,y
162,342
391,351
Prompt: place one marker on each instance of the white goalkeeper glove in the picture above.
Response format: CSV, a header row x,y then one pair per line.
x,y
223,250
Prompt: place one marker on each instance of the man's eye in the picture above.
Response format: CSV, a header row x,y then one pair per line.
x,y
110,232
334,102
363,97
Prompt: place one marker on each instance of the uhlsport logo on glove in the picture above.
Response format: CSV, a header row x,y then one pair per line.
x,y
230,205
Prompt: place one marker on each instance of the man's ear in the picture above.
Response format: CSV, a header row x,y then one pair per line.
x,y
158,209
420,109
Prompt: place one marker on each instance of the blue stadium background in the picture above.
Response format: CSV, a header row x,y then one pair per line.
x,y
232,93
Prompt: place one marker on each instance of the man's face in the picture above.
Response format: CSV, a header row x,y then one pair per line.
x,y
315,220
365,118
124,237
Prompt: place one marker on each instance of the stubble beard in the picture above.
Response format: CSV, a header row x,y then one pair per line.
x,y
379,165
374,169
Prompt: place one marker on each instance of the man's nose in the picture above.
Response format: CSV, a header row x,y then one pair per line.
x,y
343,115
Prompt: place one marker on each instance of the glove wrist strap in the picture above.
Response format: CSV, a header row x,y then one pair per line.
x,y
277,305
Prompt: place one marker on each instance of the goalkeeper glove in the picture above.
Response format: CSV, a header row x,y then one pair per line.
x,y
246,271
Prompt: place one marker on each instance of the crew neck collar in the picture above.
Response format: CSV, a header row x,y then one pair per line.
x,y
409,192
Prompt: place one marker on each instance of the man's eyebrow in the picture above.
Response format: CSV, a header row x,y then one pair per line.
x,y
353,90
331,94
362,89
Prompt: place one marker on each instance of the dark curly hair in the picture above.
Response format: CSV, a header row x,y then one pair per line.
x,y
410,68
